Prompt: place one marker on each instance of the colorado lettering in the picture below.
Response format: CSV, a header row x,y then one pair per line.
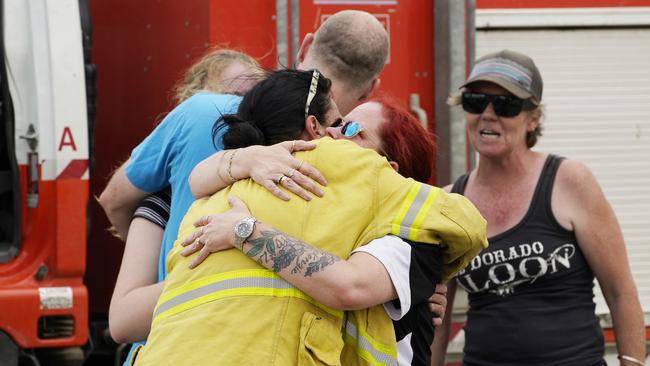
x,y
523,263
499,256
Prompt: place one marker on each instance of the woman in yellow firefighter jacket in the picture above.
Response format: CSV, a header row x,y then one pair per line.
x,y
398,273
231,311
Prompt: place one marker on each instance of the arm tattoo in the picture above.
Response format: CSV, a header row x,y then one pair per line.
x,y
278,251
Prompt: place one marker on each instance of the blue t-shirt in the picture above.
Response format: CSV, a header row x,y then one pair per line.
x,y
168,155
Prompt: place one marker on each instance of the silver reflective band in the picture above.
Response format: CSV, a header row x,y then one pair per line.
x,y
413,210
259,282
381,358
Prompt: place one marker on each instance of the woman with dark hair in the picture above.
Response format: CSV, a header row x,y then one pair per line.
x,y
356,208
385,270
283,114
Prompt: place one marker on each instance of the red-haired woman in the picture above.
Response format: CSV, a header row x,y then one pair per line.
x,y
400,274
402,139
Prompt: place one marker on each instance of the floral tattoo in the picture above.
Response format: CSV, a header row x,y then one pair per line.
x,y
278,251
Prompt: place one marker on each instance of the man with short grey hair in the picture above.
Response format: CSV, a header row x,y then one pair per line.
x,y
350,48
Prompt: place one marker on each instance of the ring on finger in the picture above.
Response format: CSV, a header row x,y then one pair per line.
x,y
300,164
290,173
293,145
282,177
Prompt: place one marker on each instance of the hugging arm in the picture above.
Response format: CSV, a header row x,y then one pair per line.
x,y
265,165
146,171
356,283
136,290
119,200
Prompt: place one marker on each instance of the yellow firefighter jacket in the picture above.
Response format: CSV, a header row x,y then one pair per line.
x,y
231,311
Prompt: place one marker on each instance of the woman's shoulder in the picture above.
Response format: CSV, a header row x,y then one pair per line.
x,y
574,190
343,159
330,143
342,148
573,175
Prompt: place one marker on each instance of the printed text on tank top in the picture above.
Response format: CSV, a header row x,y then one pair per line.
x,y
503,267
520,264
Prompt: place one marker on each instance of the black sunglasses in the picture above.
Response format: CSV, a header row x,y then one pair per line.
x,y
504,105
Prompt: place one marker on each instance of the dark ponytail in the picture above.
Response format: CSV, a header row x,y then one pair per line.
x,y
274,110
240,133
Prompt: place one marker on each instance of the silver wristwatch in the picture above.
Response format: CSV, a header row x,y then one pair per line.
x,y
243,230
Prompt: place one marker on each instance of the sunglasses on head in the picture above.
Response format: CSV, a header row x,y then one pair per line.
x,y
504,105
313,88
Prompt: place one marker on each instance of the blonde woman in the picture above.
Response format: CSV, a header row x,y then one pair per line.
x,y
222,71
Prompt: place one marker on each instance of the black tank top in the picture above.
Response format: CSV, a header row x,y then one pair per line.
x,y
531,292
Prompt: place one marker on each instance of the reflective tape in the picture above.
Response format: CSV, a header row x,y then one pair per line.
x,y
255,282
369,349
414,210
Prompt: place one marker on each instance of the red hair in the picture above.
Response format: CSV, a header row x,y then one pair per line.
x,y
406,142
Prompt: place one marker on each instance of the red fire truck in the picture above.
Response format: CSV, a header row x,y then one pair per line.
x,y
44,181
82,82
57,261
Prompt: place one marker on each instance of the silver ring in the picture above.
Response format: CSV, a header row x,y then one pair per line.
x,y
293,145
300,165
281,178
291,172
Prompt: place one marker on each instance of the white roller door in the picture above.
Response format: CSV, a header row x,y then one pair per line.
x,y
597,93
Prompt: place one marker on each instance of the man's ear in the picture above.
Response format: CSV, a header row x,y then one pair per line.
x,y
394,164
304,47
313,129
374,85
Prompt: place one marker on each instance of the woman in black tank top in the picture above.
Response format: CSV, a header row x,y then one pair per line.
x,y
550,231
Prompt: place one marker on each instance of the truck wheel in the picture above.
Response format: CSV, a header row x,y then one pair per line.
x,y
8,350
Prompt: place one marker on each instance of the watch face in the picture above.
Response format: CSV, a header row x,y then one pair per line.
x,y
241,229
244,229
